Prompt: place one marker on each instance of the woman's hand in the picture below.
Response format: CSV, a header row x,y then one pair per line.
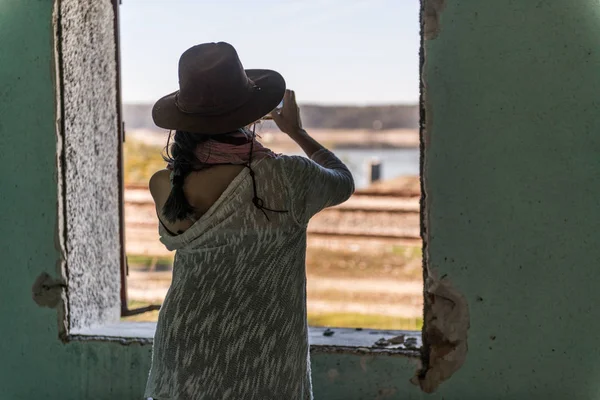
x,y
288,119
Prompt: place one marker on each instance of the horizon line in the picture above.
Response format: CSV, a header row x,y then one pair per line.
x,y
311,104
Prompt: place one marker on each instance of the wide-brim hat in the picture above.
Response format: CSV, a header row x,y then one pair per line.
x,y
216,94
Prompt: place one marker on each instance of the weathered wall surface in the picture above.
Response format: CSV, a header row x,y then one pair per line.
x,y
511,175
355,377
34,362
91,140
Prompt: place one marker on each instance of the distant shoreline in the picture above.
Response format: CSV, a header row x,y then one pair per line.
x,y
320,117
398,139
343,146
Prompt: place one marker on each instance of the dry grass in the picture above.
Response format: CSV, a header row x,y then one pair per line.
x,y
392,262
337,320
367,278
141,160
368,321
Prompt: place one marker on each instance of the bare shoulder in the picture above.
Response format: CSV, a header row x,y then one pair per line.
x,y
160,183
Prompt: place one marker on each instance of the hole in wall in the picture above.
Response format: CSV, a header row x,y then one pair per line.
x,y
444,306
364,258
446,310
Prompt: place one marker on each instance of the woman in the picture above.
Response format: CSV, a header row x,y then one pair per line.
x,y
233,324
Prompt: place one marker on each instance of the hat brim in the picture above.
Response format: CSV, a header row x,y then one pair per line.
x,y
166,115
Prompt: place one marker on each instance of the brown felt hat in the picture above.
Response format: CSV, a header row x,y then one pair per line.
x,y
216,94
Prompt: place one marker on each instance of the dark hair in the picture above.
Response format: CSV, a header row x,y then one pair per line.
x,y
182,159
181,156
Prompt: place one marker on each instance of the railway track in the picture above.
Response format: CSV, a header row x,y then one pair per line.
x,y
364,216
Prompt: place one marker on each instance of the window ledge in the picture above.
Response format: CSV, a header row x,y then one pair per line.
x,y
343,340
124,332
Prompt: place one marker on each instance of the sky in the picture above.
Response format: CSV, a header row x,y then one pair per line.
x,y
330,52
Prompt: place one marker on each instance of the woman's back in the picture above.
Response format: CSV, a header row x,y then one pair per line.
x,y
234,320
202,189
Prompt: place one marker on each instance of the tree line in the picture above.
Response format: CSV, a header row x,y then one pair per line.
x,y
138,116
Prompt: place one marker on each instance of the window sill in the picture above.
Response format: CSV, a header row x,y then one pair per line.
x,y
343,340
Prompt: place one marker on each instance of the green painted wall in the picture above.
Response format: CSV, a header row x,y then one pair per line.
x,y
513,178
33,362
512,174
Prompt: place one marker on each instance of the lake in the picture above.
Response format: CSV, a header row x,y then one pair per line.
x,y
394,162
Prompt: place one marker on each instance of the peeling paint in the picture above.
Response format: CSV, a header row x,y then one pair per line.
x,y
47,291
432,11
333,374
430,14
445,331
446,312
427,112
363,362
59,236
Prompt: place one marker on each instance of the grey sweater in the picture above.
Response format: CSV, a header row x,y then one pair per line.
x,y
233,323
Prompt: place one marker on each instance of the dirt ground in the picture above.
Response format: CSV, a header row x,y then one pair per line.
x,y
363,281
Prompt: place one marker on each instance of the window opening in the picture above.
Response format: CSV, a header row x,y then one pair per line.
x,y
126,311
364,264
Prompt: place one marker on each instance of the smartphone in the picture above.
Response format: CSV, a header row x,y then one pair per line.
x,y
278,108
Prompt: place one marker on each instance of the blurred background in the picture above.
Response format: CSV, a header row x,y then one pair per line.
x,y
354,68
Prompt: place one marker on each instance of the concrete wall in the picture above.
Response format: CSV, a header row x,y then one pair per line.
x,y
34,363
87,67
511,172
512,167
